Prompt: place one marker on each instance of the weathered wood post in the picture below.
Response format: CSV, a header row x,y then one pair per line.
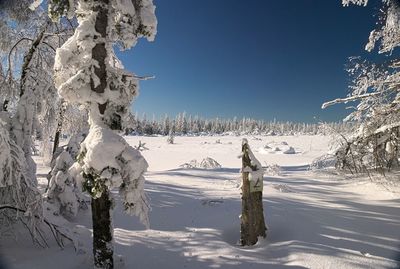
x,y
252,218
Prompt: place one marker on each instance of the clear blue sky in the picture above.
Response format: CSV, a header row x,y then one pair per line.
x,y
262,59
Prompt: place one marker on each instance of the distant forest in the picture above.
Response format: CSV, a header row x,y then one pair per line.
x,y
184,124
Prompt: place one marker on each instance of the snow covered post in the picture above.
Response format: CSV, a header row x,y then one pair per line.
x,y
87,72
252,218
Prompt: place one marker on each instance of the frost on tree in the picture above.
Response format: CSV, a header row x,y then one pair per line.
x,y
376,89
26,52
88,73
19,197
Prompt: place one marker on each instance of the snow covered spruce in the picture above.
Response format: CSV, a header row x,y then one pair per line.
x,y
64,189
87,72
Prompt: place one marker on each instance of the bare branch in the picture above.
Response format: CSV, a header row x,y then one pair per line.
x,y
143,77
54,228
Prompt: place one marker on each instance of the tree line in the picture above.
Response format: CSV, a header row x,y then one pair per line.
x,y
184,124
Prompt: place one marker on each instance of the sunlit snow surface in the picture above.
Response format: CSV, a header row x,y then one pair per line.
x,y
315,220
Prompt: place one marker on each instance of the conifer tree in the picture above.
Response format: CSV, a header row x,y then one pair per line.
x,y
87,72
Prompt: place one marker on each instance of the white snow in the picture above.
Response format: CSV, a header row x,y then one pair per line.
x,y
315,219
274,147
206,163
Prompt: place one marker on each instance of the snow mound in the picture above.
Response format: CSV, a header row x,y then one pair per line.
x,y
206,163
289,150
274,147
282,187
323,162
209,163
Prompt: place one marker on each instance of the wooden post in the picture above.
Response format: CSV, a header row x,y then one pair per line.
x,y
252,218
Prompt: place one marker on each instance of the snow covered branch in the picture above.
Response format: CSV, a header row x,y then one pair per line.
x,y
348,99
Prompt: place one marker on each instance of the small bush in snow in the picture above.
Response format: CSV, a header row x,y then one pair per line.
x,y
209,163
170,139
323,162
189,165
273,170
141,146
206,163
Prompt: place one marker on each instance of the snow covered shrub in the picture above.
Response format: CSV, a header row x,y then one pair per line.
x,y
192,164
64,191
62,187
273,170
141,146
274,147
170,139
323,162
206,163
209,163
370,149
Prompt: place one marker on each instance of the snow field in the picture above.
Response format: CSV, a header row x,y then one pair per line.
x,y
315,220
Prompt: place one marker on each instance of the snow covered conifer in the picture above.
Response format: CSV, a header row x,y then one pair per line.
x,y
87,72
170,138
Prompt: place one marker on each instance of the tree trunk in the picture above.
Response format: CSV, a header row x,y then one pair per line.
x,y
252,219
28,58
60,120
102,231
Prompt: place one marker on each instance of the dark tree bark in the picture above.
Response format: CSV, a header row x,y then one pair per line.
x,y
5,105
102,233
28,58
252,219
61,113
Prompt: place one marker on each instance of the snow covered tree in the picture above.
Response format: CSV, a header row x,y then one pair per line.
x,y
165,125
87,72
19,197
252,217
376,88
26,92
170,139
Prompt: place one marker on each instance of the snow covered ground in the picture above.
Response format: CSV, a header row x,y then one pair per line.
x,y
315,220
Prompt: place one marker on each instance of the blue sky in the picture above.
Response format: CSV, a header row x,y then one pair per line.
x,y
256,58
